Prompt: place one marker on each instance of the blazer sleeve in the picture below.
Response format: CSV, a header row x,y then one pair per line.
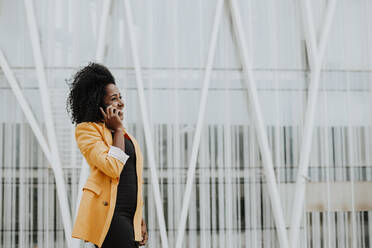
x,y
109,159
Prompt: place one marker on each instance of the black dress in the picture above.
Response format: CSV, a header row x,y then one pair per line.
x,y
121,232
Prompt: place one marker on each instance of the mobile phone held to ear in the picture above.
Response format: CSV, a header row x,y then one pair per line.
x,y
104,107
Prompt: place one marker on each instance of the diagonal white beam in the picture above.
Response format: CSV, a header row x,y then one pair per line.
x,y
297,209
101,44
199,126
146,126
259,126
100,54
310,33
56,165
25,107
331,8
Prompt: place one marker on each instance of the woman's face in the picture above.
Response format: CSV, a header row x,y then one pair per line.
x,y
113,97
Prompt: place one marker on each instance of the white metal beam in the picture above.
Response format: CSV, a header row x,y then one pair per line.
x,y
146,126
199,126
56,165
310,33
25,107
297,209
101,44
259,126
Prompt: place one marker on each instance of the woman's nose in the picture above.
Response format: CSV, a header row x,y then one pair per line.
x,y
121,104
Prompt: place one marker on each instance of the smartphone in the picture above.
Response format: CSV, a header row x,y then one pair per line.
x,y
104,107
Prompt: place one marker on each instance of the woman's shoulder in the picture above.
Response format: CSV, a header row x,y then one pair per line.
x,y
89,127
89,124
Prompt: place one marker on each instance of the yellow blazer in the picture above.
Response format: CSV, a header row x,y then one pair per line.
x,y
99,192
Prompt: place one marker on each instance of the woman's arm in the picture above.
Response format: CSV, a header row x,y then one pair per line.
x,y
110,160
119,139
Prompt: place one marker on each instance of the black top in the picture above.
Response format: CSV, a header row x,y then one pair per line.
x,y
126,201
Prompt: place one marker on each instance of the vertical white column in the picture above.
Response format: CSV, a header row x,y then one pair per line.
x,y
351,162
367,6
177,191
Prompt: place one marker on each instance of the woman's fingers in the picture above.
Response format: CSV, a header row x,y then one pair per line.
x,y
116,113
110,112
145,237
120,113
103,112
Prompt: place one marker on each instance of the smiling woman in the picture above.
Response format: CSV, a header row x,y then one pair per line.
x,y
112,101
110,211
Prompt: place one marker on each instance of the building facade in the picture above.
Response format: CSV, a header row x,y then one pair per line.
x,y
298,56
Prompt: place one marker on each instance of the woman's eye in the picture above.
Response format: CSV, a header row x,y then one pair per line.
x,y
113,99
120,97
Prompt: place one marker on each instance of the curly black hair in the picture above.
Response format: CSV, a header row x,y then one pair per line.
x,y
87,90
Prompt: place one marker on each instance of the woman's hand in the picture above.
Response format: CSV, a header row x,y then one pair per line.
x,y
145,236
112,118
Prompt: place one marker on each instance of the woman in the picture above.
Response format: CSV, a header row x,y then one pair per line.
x,y
110,211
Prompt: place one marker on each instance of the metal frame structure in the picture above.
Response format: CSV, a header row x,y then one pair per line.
x,y
259,126
58,174
48,118
317,55
50,149
199,126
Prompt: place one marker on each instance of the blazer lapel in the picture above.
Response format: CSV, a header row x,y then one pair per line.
x,y
107,136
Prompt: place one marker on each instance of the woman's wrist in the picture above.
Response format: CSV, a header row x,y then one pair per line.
x,y
119,129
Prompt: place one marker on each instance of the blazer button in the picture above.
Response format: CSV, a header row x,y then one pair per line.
x,y
105,203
